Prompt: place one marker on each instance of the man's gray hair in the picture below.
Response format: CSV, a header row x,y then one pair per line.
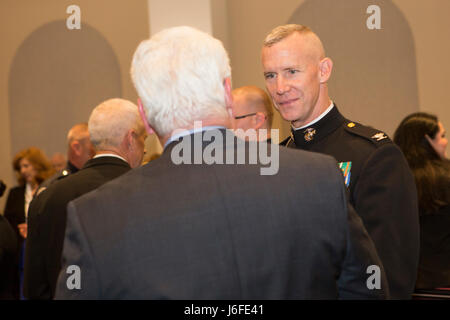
x,y
179,75
282,32
78,132
111,120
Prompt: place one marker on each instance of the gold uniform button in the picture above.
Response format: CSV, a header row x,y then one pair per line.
x,y
351,125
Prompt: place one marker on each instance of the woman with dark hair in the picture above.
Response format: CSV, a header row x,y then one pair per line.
x,y
32,168
421,136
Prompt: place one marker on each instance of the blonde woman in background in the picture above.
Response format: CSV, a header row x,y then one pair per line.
x,y
32,168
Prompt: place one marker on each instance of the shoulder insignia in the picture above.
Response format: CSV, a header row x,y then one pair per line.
x,y
63,174
377,137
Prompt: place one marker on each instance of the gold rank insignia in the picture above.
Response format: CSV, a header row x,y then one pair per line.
x,y
309,134
379,136
351,125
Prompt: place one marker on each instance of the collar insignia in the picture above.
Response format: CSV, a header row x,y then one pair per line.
x,y
309,134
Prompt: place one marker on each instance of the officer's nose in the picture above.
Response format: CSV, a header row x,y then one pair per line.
x,y
282,85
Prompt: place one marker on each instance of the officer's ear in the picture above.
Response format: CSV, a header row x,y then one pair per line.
x,y
325,68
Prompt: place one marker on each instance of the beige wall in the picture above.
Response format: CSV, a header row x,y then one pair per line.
x,y
240,24
431,29
250,20
170,13
122,24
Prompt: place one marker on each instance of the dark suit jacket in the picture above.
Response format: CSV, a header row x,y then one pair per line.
x,y
382,191
15,207
8,260
47,223
199,231
434,265
15,214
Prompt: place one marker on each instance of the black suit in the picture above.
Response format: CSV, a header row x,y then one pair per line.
x,y
69,169
198,231
15,207
382,190
8,260
434,265
47,222
15,214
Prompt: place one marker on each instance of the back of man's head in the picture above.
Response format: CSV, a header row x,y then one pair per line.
x,y
251,99
179,75
80,148
116,127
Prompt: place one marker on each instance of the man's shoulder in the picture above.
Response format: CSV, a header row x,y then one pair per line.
x,y
373,137
120,185
17,190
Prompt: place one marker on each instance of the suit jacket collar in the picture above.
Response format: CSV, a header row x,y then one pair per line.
x,y
105,160
308,136
173,143
71,168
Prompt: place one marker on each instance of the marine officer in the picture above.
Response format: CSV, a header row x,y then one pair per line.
x,y
381,185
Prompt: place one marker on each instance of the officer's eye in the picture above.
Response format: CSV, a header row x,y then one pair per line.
x,y
292,71
269,76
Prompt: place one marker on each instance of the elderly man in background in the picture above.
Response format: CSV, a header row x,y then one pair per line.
x,y
117,135
79,150
252,109
58,161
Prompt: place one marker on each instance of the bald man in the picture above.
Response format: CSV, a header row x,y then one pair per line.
x,y
382,190
252,109
117,134
58,161
79,151
80,148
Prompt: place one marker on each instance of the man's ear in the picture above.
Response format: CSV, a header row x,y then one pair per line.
x,y
228,96
76,147
147,126
259,119
131,137
325,68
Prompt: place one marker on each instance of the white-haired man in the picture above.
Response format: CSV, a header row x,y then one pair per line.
x,y
117,134
212,230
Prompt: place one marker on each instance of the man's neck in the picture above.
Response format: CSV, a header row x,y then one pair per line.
x,y
105,153
321,106
219,122
264,137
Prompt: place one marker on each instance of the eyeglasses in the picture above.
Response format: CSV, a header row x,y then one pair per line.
x,y
245,116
